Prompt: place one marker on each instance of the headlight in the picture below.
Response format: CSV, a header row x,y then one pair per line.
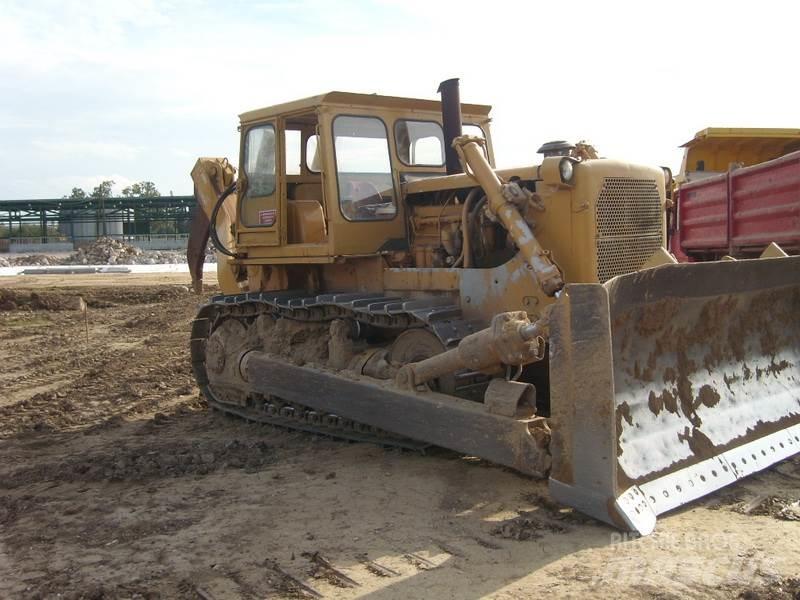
x,y
566,170
557,171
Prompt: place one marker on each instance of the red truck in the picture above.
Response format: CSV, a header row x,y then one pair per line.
x,y
737,192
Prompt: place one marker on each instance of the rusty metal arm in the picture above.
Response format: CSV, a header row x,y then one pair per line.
x,y
510,340
502,201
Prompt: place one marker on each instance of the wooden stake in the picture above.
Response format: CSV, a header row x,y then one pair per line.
x,y
82,306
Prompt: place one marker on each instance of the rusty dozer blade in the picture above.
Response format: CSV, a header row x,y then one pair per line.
x,y
670,383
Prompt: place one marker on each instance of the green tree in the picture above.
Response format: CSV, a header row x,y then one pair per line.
x,y
144,221
142,189
77,194
102,191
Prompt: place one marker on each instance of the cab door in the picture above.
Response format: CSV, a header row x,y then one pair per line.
x,y
261,217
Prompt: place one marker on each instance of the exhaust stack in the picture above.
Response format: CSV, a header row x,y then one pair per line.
x,y
451,122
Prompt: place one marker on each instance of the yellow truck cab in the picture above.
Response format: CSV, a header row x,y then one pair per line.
x,y
715,149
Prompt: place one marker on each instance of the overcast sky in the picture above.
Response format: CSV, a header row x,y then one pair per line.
x,y
136,90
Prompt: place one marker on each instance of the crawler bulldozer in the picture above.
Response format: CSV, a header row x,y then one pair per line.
x,y
382,281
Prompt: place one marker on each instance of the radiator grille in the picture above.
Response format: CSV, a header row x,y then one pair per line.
x,y
629,225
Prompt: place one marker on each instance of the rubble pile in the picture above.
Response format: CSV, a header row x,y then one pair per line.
x,y
106,251
34,260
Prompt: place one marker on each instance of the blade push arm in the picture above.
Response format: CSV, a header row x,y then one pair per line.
x,y
502,200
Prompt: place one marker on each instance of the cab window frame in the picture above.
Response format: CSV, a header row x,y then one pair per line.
x,y
287,156
246,157
395,194
467,124
422,165
485,147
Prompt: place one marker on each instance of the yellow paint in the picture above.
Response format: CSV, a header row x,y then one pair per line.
x,y
313,246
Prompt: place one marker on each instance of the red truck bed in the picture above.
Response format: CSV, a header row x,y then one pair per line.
x,y
740,212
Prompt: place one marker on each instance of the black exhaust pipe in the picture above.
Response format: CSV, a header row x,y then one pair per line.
x,y
451,122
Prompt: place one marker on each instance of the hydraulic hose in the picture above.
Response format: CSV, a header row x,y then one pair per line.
x,y
215,241
466,233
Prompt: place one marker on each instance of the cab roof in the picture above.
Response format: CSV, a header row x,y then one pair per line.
x,y
718,147
711,135
359,100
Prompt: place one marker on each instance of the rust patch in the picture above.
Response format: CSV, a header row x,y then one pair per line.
x,y
623,412
770,344
729,379
708,396
666,400
647,373
657,316
655,403
637,372
685,367
670,401
714,315
737,334
775,368
699,444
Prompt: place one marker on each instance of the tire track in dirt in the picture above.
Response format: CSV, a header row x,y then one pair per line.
x,y
117,483
133,355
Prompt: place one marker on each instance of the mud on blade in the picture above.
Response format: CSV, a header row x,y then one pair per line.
x,y
673,382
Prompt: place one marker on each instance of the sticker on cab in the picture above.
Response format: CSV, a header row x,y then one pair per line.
x,y
267,217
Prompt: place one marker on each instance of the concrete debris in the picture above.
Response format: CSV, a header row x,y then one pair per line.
x,y
33,260
105,251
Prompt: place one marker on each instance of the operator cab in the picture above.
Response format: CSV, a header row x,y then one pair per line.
x,y
323,176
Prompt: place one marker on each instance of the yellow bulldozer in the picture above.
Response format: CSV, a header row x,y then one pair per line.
x,y
382,281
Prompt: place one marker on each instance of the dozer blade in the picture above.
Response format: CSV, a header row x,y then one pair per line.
x,y
670,383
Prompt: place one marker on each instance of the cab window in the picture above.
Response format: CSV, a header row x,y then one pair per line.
x,y
363,168
475,131
419,143
292,143
313,161
259,162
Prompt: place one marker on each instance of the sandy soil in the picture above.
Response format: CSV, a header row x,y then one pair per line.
x,y
115,482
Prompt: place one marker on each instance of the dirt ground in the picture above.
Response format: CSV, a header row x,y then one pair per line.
x,y
115,482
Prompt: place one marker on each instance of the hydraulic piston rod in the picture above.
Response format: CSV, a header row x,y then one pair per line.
x,y
510,340
501,199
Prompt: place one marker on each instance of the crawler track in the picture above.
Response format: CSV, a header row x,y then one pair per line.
x,y
394,313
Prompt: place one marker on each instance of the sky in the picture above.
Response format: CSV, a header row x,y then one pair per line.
x,y
137,90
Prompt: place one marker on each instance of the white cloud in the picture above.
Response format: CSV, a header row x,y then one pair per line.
x,y
52,34
166,80
11,122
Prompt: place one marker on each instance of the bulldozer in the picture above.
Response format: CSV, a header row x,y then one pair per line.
x,y
382,281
